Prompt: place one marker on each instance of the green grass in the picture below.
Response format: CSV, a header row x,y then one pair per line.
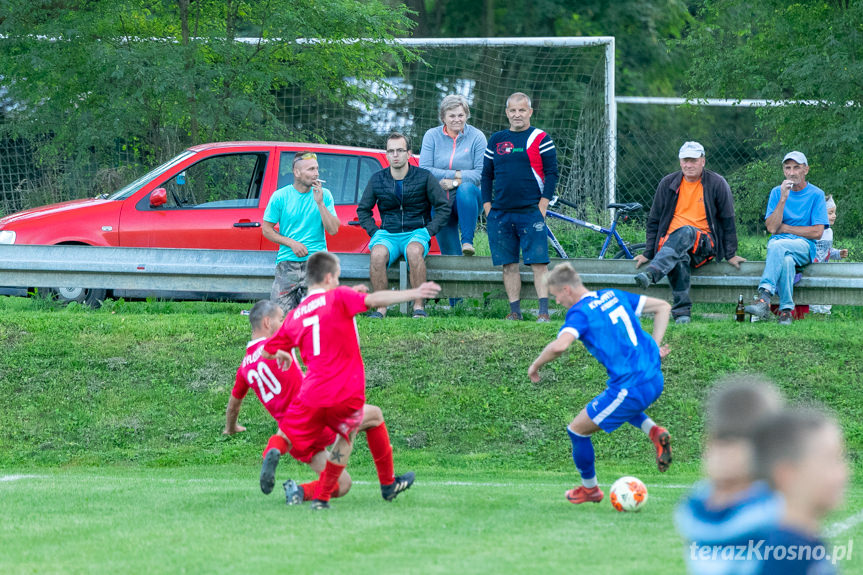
x,y
214,520
121,409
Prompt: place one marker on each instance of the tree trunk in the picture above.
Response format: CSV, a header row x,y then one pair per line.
x,y
488,19
420,17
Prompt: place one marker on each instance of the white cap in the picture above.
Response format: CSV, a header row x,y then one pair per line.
x,y
797,157
691,150
831,203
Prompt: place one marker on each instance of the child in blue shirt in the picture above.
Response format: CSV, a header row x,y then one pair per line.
x,y
729,509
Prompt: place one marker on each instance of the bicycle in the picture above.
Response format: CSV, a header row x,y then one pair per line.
x,y
627,250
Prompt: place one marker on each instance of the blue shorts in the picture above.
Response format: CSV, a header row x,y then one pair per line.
x,y
397,244
612,408
511,232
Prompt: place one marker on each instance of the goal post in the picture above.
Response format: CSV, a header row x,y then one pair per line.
x,y
570,81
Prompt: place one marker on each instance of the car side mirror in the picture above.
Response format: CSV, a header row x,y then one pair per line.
x,y
158,197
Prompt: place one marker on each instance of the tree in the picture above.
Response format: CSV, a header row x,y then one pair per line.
x,y
157,75
803,50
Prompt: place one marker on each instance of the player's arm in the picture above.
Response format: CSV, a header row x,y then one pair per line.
x,y
232,413
326,208
385,298
661,311
231,416
279,348
551,352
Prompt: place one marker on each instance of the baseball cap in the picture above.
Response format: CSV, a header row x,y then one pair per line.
x,y
691,150
797,157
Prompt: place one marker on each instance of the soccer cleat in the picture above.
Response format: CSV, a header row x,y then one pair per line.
x,y
319,505
513,316
268,470
402,483
543,318
761,307
662,440
785,317
582,494
293,493
642,280
682,319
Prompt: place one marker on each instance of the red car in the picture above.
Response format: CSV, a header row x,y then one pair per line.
x,y
211,196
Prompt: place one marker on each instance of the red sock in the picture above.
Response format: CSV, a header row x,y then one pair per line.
x,y
382,452
276,442
310,488
329,480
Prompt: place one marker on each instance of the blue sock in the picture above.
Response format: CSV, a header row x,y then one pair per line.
x,y
583,456
515,306
543,305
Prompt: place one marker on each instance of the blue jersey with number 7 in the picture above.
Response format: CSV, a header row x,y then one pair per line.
x,y
607,323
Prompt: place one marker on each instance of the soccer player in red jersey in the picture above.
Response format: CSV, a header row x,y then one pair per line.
x,y
333,392
276,389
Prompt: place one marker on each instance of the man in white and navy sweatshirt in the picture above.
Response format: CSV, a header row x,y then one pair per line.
x,y
519,174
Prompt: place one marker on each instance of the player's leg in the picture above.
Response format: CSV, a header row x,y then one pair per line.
x,y
278,445
382,453
337,460
645,395
533,242
579,431
344,420
296,493
415,256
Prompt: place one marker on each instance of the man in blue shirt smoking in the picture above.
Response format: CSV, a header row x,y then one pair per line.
x,y
796,216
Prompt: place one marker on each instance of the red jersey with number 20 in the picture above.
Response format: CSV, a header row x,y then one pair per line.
x,y
275,388
324,328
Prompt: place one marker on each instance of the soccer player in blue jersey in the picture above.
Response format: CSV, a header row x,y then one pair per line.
x,y
606,322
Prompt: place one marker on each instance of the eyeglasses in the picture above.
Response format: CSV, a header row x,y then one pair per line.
x,y
397,152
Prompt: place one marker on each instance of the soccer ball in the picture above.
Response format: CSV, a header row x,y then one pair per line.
x,y
628,494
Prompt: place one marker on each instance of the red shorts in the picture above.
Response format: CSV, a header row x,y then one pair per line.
x,y
310,429
324,440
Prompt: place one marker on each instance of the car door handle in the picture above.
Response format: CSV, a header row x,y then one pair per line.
x,y
247,225
354,223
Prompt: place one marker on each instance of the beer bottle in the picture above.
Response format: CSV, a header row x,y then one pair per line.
x,y
741,310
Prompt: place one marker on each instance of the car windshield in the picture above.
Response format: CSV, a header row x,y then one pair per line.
x,y
130,189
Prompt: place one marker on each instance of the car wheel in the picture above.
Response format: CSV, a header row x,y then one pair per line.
x,y
90,297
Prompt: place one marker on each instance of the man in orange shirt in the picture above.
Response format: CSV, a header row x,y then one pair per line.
x,y
691,222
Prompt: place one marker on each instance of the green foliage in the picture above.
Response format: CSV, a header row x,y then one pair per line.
x,y
150,76
806,50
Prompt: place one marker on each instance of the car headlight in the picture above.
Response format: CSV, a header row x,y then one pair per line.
x,y
7,237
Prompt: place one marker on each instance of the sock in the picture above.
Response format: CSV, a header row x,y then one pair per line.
x,y
583,457
515,306
328,480
647,425
310,488
276,442
543,305
382,453
763,293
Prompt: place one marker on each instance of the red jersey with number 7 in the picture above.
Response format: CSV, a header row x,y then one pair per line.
x,y
275,388
324,328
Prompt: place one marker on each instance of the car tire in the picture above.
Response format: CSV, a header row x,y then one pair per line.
x,y
91,297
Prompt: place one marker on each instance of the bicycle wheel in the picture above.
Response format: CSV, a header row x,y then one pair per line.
x,y
634,248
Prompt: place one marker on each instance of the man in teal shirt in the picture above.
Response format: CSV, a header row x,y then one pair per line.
x,y
304,212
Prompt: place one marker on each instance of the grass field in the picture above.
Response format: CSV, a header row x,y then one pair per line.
x,y
214,520
112,458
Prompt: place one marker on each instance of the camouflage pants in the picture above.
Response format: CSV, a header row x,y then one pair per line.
x,y
289,286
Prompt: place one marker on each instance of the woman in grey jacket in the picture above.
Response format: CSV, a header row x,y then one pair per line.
x,y
453,153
